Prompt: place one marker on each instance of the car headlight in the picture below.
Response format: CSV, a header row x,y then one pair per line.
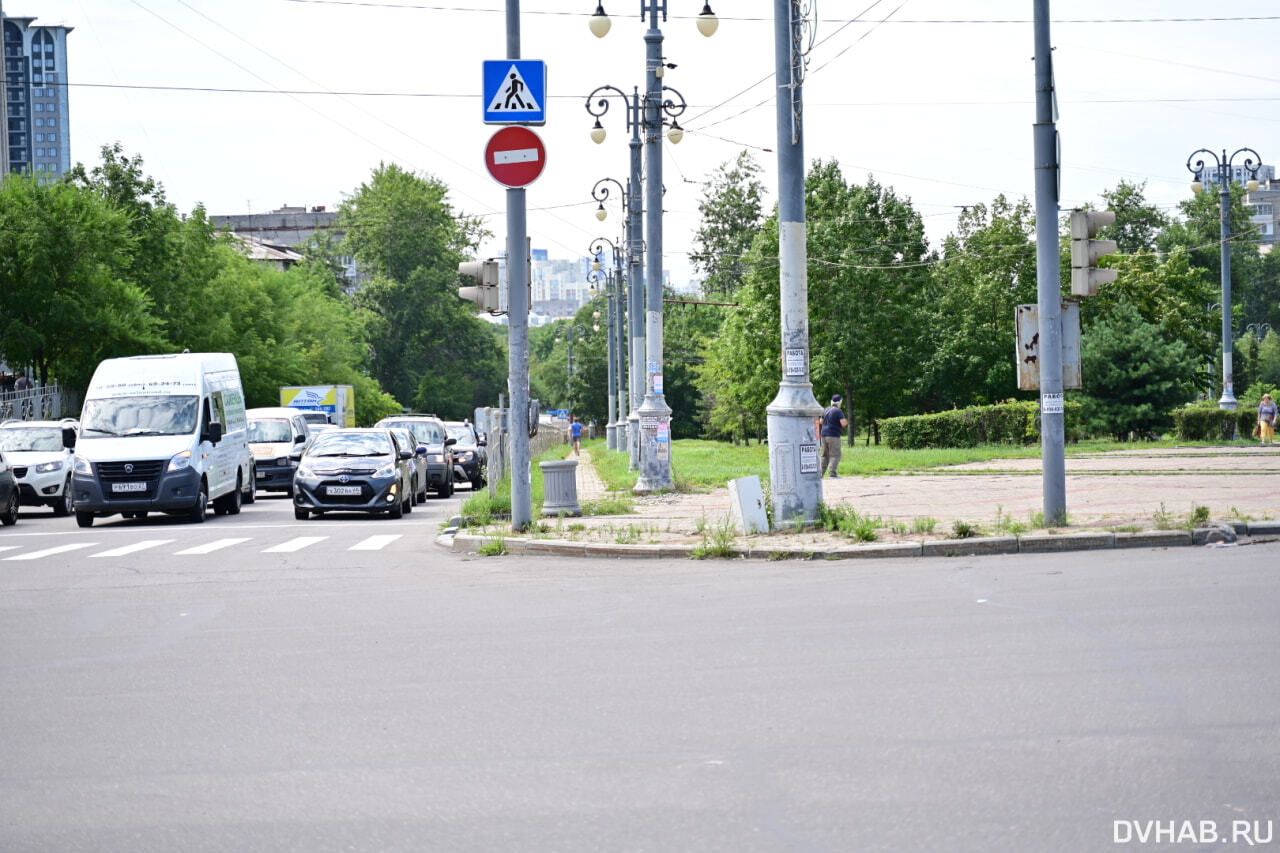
x,y
304,469
284,462
47,467
464,456
386,471
435,457
181,461
83,466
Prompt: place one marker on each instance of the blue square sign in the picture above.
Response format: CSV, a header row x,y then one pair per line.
x,y
515,91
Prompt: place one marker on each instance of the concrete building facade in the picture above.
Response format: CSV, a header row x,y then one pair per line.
x,y
37,116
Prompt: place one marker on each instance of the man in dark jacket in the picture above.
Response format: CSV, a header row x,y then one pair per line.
x,y
831,427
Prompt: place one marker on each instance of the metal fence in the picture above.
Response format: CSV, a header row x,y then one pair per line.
x,y
46,403
499,444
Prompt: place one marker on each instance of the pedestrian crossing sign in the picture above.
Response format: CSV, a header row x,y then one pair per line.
x,y
515,91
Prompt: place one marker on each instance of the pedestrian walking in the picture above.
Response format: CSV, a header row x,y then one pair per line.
x,y
575,433
831,427
1267,419
22,383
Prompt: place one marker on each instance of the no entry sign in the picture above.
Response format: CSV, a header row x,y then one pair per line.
x,y
515,156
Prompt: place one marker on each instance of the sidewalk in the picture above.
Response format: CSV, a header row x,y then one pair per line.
x,y
1146,496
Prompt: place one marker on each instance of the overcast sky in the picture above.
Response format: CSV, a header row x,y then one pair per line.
x,y
248,105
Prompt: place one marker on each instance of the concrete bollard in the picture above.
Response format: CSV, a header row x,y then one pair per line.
x,y
560,488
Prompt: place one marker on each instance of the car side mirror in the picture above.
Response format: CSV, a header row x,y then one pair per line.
x,y
299,439
481,443
68,438
421,450
405,454
450,441
213,433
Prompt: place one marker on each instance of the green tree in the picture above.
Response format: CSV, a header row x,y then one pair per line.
x,y
731,210
66,300
988,268
1138,224
1134,375
428,348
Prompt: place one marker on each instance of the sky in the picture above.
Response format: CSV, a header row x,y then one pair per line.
x,y
245,106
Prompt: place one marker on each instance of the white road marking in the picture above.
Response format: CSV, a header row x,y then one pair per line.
x,y
9,547
294,544
49,552
375,543
215,545
129,549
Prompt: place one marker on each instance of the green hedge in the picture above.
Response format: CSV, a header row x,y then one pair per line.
x,y
1014,422
1210,423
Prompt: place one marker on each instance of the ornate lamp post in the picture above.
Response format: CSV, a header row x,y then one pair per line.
x,y
651,113
631,332
571,330
1222,170
617,426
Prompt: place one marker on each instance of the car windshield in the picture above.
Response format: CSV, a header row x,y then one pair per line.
x,y
351,444
424,431
40,439
462,433
275,431
161,414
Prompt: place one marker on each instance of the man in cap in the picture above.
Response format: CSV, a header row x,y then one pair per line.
x,y
831,427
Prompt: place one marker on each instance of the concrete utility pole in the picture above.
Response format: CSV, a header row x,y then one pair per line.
x,y
795,478
655,414
636,290
518,327
1048,285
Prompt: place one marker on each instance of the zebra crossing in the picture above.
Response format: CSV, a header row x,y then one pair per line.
x,y
226,544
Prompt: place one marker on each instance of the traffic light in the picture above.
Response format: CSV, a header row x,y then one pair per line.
x,y
1085,251
482,284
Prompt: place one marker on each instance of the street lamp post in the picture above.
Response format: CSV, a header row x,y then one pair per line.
x,y
1222,171
630,332
655,414
635,246
617,426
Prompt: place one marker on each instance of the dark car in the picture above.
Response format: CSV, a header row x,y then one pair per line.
x,y
429,430
469,452
353,470
417,465
8,494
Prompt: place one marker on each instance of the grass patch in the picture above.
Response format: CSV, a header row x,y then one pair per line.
x,y
717,542
493,548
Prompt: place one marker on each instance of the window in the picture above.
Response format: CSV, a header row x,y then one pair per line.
x,y
53,152
39,108
53,122
39,122
39,137
39,152
53,137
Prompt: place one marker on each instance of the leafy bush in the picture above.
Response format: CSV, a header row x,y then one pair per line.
x,y
1207,422
1012,422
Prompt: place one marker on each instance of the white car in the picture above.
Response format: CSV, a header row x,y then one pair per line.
x,y
41,453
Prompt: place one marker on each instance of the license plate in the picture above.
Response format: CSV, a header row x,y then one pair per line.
x,y
342,490
262,475
128,487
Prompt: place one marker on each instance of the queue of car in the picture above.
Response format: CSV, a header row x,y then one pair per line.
x,y
171,434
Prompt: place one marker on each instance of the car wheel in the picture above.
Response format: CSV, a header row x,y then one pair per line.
x,y
477,483
198,512
231,503
300,514
396,510
251,494
62,508
10,517
84,519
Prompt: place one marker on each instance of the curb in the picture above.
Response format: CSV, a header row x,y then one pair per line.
x,y
1226,534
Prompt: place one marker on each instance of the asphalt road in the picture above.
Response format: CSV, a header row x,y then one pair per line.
x,y
404,698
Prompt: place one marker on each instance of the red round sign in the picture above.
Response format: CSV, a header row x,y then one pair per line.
x,y
515,156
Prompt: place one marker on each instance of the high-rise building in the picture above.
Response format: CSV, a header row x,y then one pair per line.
x,y
36,126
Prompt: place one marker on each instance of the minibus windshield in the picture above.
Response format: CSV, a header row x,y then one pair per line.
x,y
160,414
